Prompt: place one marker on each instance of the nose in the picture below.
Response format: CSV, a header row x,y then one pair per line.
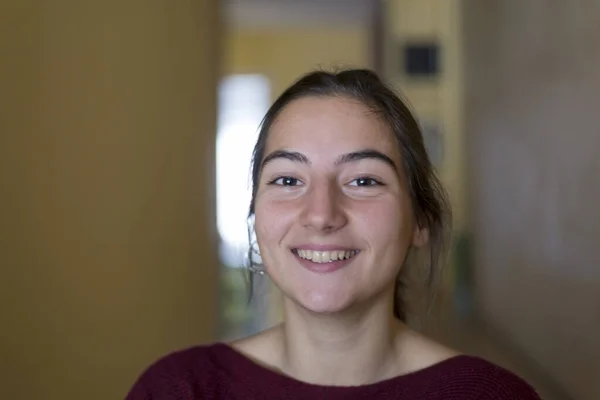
x,y
322,208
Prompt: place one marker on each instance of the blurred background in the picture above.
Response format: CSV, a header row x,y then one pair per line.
x,y
126,129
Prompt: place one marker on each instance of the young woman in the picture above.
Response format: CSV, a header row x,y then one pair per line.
x,y
344,196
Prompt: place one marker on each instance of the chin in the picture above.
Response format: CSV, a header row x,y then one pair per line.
x,y
324,303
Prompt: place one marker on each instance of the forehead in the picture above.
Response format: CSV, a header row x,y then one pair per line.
x,y
335,123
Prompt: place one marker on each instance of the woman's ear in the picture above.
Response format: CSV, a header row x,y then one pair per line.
x,y
420,236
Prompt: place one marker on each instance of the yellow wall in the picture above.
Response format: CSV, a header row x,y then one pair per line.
x,y
107,243
285,54
441,100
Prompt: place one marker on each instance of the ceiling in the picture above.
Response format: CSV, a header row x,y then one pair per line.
x,y
277,13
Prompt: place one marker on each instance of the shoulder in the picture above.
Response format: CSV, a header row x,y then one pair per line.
x,y
481,379
450,371
175,375
263,348
418,352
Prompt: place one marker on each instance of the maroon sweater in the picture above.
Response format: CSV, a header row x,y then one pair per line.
x,y
220,372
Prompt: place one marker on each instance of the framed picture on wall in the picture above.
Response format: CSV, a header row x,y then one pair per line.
x,y
419,59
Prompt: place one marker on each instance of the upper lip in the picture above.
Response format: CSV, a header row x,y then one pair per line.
x,y
322,247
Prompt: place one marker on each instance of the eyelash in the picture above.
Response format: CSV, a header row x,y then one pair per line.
x,y
373,181
274,181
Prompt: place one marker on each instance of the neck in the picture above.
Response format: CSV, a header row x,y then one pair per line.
x,y
341,350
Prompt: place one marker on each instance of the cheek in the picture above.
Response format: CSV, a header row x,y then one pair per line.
x,y
384,221
387,228
272,221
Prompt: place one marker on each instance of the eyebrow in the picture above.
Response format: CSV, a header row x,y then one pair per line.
x,y
365,154
343,159
286,155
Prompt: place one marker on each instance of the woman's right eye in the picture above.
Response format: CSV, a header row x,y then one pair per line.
x,y
285,181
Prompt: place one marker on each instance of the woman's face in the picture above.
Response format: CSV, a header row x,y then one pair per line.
x,y
333,216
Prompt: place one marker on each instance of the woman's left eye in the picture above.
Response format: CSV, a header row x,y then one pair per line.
x,y
365,181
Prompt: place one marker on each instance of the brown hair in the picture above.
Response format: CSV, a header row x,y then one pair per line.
x,y
429,200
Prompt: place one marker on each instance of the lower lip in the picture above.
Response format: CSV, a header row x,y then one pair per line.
x,y
323,268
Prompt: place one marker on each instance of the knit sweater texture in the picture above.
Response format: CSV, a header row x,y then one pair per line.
x,y
217,371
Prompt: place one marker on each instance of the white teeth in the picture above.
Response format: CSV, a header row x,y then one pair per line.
x,y
317,256
326,256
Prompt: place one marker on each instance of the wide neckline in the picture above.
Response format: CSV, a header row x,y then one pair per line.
x,y
247,371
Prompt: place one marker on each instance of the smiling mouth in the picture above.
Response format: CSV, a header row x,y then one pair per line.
x,y
325,256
